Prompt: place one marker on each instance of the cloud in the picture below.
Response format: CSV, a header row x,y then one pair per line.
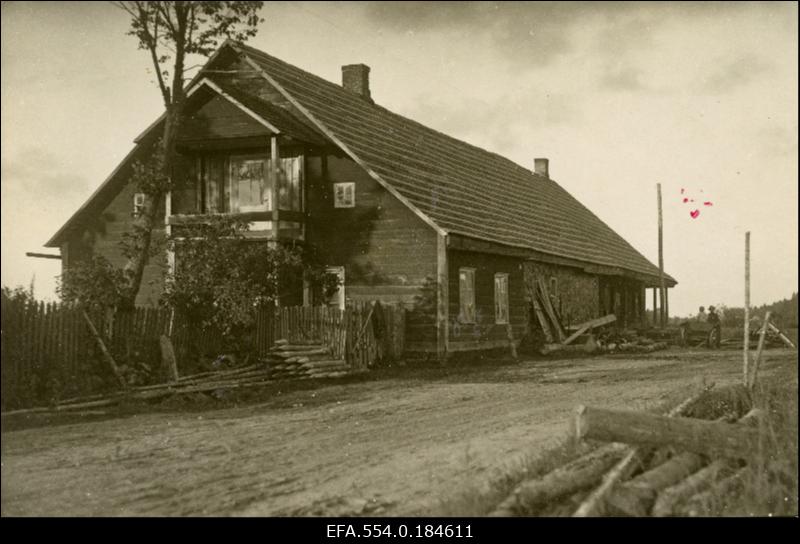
x,y
731,74
777,141
496,126
531,34
38,173
622,78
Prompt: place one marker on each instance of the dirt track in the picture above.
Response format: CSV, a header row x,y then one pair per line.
x,y
387,447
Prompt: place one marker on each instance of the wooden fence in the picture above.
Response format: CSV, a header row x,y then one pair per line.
x,y
49,354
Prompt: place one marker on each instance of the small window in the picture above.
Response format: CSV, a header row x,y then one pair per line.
x,y
344,195
138,204
554,287
501,298
466,292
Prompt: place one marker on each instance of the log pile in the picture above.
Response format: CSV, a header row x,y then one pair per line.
x,y
605,341
298,361
651,465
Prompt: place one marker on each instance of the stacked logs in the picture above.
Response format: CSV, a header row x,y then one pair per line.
x,y
304,360
650,465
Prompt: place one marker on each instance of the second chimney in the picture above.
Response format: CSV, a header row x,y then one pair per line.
x,y
542,167
355,78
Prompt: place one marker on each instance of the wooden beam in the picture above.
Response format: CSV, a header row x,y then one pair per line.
x,y
782,336
583,327
104,350
663,288
274,171
694,435
751,379
746,353
655,307
442,299
42,255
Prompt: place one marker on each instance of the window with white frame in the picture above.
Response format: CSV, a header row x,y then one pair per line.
x,y
466,294
138,204
501,298
242,183
344,195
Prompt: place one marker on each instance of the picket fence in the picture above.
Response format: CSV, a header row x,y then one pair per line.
x,y
48,352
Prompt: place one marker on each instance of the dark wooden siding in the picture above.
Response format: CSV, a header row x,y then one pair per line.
x,y
485,333
219,118
102,236
389,253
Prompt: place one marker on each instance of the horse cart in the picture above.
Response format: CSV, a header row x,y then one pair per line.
x,y
698,333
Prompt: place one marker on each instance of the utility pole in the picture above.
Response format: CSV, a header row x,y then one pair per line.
x,y
662,298
747,307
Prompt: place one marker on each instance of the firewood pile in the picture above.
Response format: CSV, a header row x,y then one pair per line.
x,y
627,342
648,465
304,360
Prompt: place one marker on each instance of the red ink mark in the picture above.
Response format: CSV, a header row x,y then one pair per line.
x,y
685,200
707,203
694,214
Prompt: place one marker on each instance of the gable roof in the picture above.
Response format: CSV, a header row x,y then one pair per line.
x,y
461,188
454,186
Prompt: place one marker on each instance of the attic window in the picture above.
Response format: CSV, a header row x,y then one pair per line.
x,y
138,204
344,195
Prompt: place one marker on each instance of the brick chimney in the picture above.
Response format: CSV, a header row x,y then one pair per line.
x,y
355,78
542,167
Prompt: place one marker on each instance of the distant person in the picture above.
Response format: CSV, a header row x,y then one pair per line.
x,y
714,321
701,315
712,317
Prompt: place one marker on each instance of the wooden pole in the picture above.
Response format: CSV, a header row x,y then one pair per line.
x,y
274,173
655,308
746,370
662,314
751,384
106,355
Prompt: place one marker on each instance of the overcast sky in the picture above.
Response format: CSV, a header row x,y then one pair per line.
x,y
699,97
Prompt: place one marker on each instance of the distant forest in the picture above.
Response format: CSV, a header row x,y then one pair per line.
x,y
783,314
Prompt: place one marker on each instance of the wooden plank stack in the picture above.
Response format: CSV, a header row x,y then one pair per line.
x,y
304,360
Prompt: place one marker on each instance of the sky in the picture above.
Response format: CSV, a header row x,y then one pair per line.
x,y
699,97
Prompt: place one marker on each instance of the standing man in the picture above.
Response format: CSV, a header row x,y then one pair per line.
x,y
716,331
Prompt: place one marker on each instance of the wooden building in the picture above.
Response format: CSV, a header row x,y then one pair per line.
x,y
401,212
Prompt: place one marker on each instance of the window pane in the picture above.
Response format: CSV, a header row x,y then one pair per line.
x,y
467,295
289,179
248,183
214,178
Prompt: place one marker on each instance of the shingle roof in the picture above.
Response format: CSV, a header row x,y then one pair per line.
x,y
462,188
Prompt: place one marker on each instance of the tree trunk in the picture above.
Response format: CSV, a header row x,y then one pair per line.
x,y
574,476
697,436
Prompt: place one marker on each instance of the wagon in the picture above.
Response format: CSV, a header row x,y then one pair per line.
x,y
693,333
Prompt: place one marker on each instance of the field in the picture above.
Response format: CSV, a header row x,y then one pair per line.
x,y
406,441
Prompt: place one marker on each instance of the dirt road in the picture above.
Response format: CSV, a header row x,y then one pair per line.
x,y
387,447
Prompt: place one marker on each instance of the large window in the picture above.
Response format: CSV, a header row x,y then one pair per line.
x,y
501,298
466,294
242,183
